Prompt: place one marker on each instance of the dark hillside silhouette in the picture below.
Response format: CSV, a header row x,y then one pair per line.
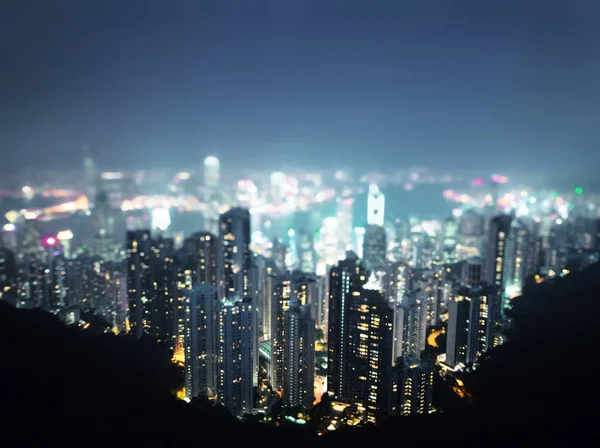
x,y
64,386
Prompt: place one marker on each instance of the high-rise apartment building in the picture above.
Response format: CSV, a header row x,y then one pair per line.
x,y
412,387
233,256
236,322
470,332
360,339
201,348
299,378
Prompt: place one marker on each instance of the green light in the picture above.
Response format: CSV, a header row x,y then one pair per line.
x,y
578,190
554,195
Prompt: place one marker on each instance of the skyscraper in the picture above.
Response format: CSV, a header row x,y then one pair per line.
x,y
236,355
104,223
212,172
375,206
32,236
344,218
233,256
138,272
299,378
412,387
458,329
201,347
496,259
375,247
344,279
8,276
91,179
360,339
414,314
496,264
203,246
520,243
468,325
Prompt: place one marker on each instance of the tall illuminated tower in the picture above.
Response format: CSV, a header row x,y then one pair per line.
x,y
201,341
235,371
344,217
233,255
89,169
212,172
375,206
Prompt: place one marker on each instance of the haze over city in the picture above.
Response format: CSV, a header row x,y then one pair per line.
x,y
491,85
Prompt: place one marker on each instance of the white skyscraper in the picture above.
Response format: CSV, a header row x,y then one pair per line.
x,y
375,206
212,169
277,186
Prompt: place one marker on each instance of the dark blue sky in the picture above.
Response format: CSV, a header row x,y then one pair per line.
x,y
506,84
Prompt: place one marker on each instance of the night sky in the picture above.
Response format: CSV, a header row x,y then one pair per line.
x,y
508,84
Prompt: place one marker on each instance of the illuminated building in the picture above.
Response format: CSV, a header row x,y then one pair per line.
x,y
412,387
161,219
471,272
370,350
8,276
32,236
359,241
200,341
375,206
413,316
458,330
212,172
519,246
306,252
233,255
299,378
496,254
375,247
104,223
138,278
9,237
344,218
117,186
294,290
117,293
266,298
344,279
395,283
277,187
469,326
89,169
236,323
329,246
471,230
203,247
496,263
360,338
138,219
162,291
450,235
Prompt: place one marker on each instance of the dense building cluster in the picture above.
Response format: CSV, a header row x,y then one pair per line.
x,y
348,312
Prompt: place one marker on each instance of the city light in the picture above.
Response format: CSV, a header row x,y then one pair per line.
x,y
578,190
10,227
64,235
50,241
499,179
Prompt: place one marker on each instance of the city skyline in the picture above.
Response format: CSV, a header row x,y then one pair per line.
x,y
266,221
